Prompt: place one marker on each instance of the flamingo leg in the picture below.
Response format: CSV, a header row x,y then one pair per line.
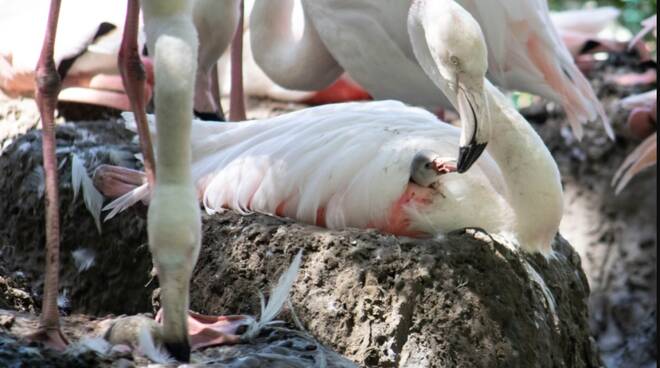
x,y
237,95
215,90
134,78
48,87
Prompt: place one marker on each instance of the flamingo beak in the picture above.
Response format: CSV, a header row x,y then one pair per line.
x,y
472,108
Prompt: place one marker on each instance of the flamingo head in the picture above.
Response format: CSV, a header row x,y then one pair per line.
x,y
451,48
427,167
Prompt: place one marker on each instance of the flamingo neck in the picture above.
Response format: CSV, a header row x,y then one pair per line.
x,y
530,173
295,62
532,179
174,106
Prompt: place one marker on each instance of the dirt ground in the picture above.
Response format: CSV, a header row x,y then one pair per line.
x,y
615,236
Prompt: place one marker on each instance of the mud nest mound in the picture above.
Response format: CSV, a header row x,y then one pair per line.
x,y
466,300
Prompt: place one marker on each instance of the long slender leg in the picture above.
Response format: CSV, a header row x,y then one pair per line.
x,y
237,94
215,89
135,79
48,87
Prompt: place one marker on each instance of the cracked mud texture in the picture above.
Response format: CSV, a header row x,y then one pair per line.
x,y
381,301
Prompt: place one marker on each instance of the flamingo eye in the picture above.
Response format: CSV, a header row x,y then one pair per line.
x,y
428,165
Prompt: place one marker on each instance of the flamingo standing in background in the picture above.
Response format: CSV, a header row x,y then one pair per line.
x,y
364,50
385,165
86,53
526,53
369,39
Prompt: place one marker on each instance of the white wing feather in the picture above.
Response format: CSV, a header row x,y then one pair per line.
x,y
91,196
348,163
509,26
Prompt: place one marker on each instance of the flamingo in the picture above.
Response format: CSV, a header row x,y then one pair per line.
x,y
260,85
386,165
174,224
375,63
643,122
85,52
369,40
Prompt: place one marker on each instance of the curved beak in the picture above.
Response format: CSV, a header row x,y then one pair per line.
x,y
473,109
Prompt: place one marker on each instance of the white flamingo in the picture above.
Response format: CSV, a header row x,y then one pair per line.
x,y
384,165
174,224
369,39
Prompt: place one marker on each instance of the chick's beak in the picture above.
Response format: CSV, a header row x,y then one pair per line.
x,y
476,127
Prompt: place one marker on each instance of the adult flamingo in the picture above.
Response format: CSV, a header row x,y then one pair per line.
x,y
174,224
377,64
369,39
385,165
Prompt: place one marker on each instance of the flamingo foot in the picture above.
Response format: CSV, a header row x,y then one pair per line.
x,y
115,181
50,337
445,166
205,331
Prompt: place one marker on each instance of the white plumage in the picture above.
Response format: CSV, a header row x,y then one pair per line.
x,y
371,41
347,165
526,53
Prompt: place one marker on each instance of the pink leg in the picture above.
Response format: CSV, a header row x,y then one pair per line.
x,y
205,331
237,95
215,90
135,79
48,87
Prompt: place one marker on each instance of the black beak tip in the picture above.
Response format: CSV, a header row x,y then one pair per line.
x,y
468,155
179,350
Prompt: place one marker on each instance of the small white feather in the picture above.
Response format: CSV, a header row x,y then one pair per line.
x,y
91,196
83,258
126,201
78,171
550,299
278,297
149,349
96,344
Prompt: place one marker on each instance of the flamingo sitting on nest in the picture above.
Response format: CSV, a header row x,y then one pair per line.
x,y
385,165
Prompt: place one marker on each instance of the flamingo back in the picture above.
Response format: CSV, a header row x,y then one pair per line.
x,y
342,165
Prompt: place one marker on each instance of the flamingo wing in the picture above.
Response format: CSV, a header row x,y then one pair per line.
x,y
335,165
526,53
369,38
341,165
